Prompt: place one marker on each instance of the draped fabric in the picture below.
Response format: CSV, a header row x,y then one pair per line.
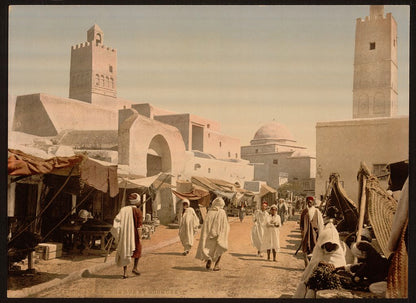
x,y
138,221
20,163
188,227
123,232
310,229
214,234
259,218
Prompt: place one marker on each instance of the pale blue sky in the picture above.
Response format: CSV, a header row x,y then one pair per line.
x,y
239,65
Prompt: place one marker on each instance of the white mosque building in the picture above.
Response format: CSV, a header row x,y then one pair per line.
x,y
278,158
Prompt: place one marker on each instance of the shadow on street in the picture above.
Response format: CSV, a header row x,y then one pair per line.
x,y
284,268
169,253
192,268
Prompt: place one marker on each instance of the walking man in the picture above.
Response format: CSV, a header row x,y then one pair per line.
x,y
188,226
311,223
259,218
126,231
283,210
214,235
271,235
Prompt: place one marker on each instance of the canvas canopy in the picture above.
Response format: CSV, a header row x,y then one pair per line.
x,y
156,180
98,174
265,189
198,194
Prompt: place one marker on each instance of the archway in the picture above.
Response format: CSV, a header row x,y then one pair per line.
x,y
158,156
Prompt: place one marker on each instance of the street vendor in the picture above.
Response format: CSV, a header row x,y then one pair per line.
x,y
329,251
214,235
188,226
127,233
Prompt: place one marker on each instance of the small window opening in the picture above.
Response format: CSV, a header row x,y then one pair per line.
x,y
372,45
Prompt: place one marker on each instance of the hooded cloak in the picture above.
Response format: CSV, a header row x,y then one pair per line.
x,y
214,234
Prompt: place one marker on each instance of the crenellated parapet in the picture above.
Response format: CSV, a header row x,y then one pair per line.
x,y
88,44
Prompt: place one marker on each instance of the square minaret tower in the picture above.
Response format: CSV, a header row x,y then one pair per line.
x,y
375,65
93,73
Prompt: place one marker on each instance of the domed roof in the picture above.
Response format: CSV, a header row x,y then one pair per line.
x,y
273,130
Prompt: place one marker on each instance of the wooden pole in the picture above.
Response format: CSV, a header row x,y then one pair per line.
x,y
362,208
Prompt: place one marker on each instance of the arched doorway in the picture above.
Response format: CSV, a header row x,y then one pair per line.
x,y
158,156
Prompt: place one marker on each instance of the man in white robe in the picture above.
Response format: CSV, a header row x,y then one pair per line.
x,y
127,234
259,218
214,235
328,249
188,226
270,241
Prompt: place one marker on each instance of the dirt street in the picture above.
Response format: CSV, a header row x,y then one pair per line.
x,y
167,273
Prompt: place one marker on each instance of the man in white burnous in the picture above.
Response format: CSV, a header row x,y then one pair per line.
x,y
214,235
259,218
188,226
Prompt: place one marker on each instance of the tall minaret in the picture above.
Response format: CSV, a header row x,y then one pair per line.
x,y
93,74
375,65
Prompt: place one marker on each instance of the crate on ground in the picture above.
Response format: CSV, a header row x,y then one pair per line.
x,y
48,251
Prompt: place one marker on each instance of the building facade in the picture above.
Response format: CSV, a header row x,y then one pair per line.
x,y
375,135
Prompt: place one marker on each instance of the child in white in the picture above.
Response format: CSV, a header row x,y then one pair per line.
x,y
270,240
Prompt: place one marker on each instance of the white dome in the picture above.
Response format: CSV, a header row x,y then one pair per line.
x,y
273,131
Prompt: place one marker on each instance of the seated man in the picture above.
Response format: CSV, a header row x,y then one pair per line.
x,y
329,250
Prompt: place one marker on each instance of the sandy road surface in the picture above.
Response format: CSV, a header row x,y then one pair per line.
x,y
167,273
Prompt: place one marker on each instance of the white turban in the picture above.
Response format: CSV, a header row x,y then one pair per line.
x,y
186,201
134,198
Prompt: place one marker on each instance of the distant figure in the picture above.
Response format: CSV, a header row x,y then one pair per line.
x,y
242,211
329,250
283,210
271,234
311,223
188,226
214,235
127,233
259,218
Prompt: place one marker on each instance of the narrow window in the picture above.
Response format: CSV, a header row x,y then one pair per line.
x,y
110,68
220,144
209,170
372,45
229,154
275,161
257,151
97,79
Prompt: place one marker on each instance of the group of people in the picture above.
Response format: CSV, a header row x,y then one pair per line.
x,y
213,242
265,231
320,244
214,233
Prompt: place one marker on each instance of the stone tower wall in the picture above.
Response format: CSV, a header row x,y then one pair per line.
x,y
375,66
